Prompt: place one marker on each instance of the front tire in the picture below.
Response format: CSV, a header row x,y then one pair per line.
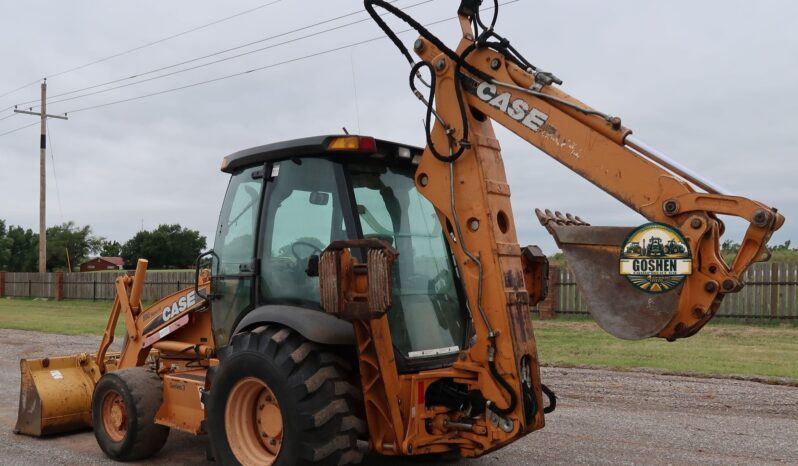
x,y
279,399
123,409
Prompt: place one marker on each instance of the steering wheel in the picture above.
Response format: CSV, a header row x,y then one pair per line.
x,y
304,243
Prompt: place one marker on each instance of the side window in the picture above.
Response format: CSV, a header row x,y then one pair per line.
x,y
235,235
303,213
302,224
235,251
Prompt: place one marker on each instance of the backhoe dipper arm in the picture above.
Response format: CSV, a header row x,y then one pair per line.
x,y
601,150
461,172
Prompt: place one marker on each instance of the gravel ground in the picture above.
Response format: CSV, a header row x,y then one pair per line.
x,y
603,417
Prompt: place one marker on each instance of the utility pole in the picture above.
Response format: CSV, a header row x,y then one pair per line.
x,y
42,175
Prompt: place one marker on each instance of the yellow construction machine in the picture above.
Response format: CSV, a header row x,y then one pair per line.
x,y
364,290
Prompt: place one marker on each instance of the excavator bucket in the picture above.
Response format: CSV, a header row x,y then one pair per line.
x,y
592,254
55,394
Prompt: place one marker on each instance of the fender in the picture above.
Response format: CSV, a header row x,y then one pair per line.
x,y
314,325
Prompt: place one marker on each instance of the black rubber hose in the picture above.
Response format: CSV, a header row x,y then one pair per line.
x,y
428,116
493,19
513,399
369,5
530,402
552,399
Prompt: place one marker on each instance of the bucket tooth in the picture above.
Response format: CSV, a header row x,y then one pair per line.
x,y
593,253
55,394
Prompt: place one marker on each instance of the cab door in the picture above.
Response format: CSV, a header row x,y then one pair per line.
x,y
234,262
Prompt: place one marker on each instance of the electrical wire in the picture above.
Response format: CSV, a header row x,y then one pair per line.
x,y
143,46
18,129
218,61
273,65
9,116
155,70
20,88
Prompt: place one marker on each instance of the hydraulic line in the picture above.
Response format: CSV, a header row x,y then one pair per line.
x,y
491,333
460,62
552,399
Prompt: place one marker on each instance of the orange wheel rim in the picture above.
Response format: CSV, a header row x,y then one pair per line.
x,y
253,422
114,414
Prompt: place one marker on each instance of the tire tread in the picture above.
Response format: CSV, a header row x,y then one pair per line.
x,y
328,397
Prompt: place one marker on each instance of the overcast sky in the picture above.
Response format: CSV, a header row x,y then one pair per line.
x,y
713,84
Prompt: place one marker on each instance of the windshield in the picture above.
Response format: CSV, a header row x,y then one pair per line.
x,y
426,318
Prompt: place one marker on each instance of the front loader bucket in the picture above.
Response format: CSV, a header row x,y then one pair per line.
x,y
592,254
55,394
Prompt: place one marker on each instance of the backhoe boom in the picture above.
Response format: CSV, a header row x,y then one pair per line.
x,y
597,147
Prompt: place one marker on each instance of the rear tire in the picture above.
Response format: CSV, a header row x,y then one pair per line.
x,y
123,410
283,379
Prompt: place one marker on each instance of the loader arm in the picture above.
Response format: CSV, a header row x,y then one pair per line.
x,y
494,86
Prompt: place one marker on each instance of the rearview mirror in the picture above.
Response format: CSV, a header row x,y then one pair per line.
x,y
319,198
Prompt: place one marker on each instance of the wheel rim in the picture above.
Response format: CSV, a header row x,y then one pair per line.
x,y
253,422
114,414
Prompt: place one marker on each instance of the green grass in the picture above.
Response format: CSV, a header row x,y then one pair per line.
x,y
727,347
721,348
67,317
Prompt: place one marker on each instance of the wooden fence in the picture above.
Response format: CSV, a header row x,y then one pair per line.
x,y
770,292
89,285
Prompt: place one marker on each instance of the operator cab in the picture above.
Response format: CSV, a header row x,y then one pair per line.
x,y
287,201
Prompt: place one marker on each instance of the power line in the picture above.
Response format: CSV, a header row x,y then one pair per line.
x,y
184,70
94,86
18,129
173,73
8,116
20,88
149,44
273,65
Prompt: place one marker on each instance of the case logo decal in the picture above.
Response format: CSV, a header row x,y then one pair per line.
x,y
655,258
517,109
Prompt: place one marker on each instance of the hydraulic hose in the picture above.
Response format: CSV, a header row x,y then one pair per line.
x,y
498,377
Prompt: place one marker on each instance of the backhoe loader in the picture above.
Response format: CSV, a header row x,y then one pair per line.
x,y
362,291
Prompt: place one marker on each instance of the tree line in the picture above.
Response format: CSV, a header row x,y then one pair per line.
x,y
69,245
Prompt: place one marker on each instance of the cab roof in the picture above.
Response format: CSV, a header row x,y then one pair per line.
x,y
308,147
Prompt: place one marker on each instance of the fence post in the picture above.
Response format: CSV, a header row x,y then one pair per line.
x,y
59,286
94,289
774,290
548,306
2,284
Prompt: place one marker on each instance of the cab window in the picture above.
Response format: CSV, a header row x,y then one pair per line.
x,y
303,213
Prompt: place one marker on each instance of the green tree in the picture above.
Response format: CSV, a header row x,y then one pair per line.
x,y
22,248
110,248
68,238
4,245
168,246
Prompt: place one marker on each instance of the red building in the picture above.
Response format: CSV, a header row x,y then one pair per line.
x,y
102,263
